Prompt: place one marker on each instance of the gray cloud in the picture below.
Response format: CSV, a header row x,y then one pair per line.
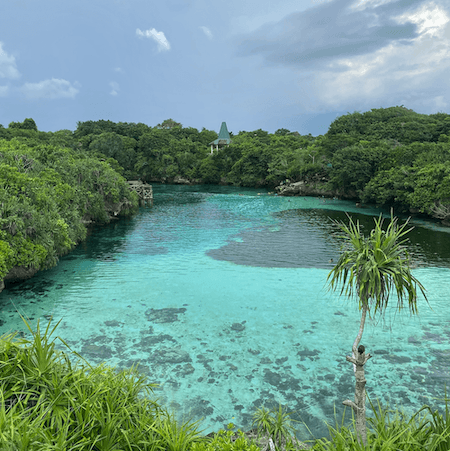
x,y
331,30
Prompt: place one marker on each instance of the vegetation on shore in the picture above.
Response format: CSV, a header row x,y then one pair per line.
x,y
393,156
48,194
53,183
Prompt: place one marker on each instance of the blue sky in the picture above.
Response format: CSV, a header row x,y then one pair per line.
x,y
295,64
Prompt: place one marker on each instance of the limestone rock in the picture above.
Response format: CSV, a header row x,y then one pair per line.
x,y
20,273
181,181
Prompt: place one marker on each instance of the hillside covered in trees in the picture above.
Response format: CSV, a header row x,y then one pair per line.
x,y
53,183
392,157
49,192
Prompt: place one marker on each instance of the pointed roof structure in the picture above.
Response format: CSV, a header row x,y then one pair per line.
x,y
223,139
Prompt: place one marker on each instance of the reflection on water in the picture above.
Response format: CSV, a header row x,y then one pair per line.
x,y
220,295
310,239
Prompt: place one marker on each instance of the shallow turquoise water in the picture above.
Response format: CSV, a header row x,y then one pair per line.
x,y
220,295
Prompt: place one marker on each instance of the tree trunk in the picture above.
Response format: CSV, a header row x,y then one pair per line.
x,y
359,359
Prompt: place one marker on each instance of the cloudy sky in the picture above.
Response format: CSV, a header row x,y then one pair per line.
x,y
295,64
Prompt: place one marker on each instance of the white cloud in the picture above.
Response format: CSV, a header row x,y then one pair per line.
x,y
118,69
429,19
412,74
158,36
207,32
114,88
50,89
4,91
8,67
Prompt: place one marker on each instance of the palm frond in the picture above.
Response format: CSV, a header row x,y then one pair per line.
x,y
376,266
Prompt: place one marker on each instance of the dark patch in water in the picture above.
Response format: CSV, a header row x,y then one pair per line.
x,y
147,342
100,352
113,323
238,327
170,355
164,315
309,239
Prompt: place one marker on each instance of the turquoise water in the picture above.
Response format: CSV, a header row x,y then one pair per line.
x,y
220,295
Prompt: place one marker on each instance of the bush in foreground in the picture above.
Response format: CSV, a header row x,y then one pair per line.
x,y
49,403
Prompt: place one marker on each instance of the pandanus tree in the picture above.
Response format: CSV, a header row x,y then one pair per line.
x,y
371,269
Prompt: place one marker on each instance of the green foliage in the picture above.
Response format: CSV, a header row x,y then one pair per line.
x,y
117,147
27,124
392,187
226,441
389,156
48,402
431,185
363,155
47,194
170,150
54,400
374,266
354,166
275,423
177,436
392,430
6,256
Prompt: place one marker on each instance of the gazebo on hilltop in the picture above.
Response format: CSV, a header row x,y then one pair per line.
x,y
223,139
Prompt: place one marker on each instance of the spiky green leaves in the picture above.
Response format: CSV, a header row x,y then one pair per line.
x,y
376,266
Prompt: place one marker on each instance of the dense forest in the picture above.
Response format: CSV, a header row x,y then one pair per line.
x,y
49,193
53,183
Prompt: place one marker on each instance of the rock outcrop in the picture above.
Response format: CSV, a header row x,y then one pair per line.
x,y
18,273
303,188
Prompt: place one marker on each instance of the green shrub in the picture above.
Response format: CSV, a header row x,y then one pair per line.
x,y
226,441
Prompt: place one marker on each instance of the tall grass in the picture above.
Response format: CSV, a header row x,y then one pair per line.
x,y
48,403
393,430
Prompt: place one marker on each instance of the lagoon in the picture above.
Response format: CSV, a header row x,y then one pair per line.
x,y
219,294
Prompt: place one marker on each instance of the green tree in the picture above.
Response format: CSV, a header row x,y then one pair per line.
x,y
354,166
282,132
113,145
27,124
371,269
168,124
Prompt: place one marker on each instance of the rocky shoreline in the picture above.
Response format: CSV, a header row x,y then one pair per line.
x,y
304,188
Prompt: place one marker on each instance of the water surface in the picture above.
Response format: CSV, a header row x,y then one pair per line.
x,y
220,295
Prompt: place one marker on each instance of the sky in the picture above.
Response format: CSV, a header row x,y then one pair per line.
x,y
295,64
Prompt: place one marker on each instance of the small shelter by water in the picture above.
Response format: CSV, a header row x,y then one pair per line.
x,y
223,139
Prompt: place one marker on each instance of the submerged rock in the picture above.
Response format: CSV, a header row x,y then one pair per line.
x,y
170,355
164,315
238,327
101,352
281,360
113,323
307,353
266,361
146,342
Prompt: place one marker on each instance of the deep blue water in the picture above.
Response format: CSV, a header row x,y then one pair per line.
x,y
220,295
